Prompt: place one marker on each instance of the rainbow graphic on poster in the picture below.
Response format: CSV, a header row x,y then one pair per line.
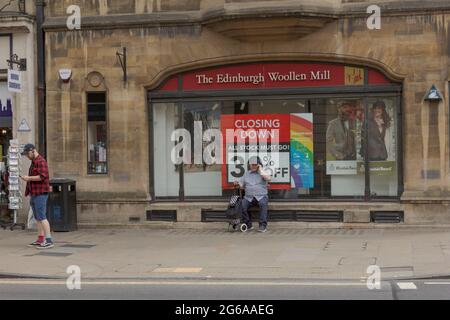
x,y
302,150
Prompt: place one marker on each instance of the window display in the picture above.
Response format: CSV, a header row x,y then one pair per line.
x,y
337,124
97,133
201,179
325,140
344,141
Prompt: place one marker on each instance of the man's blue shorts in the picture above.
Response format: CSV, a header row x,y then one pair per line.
x,y
39,206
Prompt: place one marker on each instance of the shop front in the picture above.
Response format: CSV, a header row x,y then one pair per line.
x,y
339,129
357,136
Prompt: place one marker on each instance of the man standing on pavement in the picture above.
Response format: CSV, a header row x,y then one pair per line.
x,y
38,187
255,182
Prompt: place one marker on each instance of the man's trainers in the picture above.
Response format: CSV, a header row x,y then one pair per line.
x,y
262,229
250,228
45,245
35,244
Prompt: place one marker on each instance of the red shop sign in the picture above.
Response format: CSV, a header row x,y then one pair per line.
x,y
275,75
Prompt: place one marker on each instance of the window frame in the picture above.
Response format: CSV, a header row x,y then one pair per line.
x,y
107,173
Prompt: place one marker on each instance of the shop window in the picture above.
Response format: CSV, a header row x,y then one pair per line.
x,y
329,163
343,173
202,179
97,133
166,174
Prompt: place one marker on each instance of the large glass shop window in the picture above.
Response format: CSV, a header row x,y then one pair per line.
x,y
321,151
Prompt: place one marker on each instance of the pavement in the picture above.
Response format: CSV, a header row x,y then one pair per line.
x,y
282,254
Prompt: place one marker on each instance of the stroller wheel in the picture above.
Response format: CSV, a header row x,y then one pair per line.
x,y
244,227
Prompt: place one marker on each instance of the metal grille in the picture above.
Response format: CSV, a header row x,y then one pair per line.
x,y
320,216
214,216
282,215
162,215
387,216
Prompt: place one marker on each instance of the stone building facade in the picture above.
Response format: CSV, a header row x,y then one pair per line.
x,y
168,41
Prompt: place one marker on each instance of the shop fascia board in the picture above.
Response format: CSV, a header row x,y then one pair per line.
x,y
238,12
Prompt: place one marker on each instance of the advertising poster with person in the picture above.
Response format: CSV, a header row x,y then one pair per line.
x,y
381,141
283,142
344,138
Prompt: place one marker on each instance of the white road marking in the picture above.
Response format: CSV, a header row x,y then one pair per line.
x,y
183,283
433,283
407,285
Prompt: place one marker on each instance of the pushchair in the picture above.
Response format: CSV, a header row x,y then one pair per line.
x,y
234,213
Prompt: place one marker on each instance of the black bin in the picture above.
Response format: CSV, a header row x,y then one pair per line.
x,y
62,205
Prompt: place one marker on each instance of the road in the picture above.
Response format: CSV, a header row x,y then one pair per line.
x,y
436,289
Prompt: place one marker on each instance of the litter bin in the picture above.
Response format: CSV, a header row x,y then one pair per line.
x,y
62,205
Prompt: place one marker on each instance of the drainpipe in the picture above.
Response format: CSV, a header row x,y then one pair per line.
x,y
42,117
